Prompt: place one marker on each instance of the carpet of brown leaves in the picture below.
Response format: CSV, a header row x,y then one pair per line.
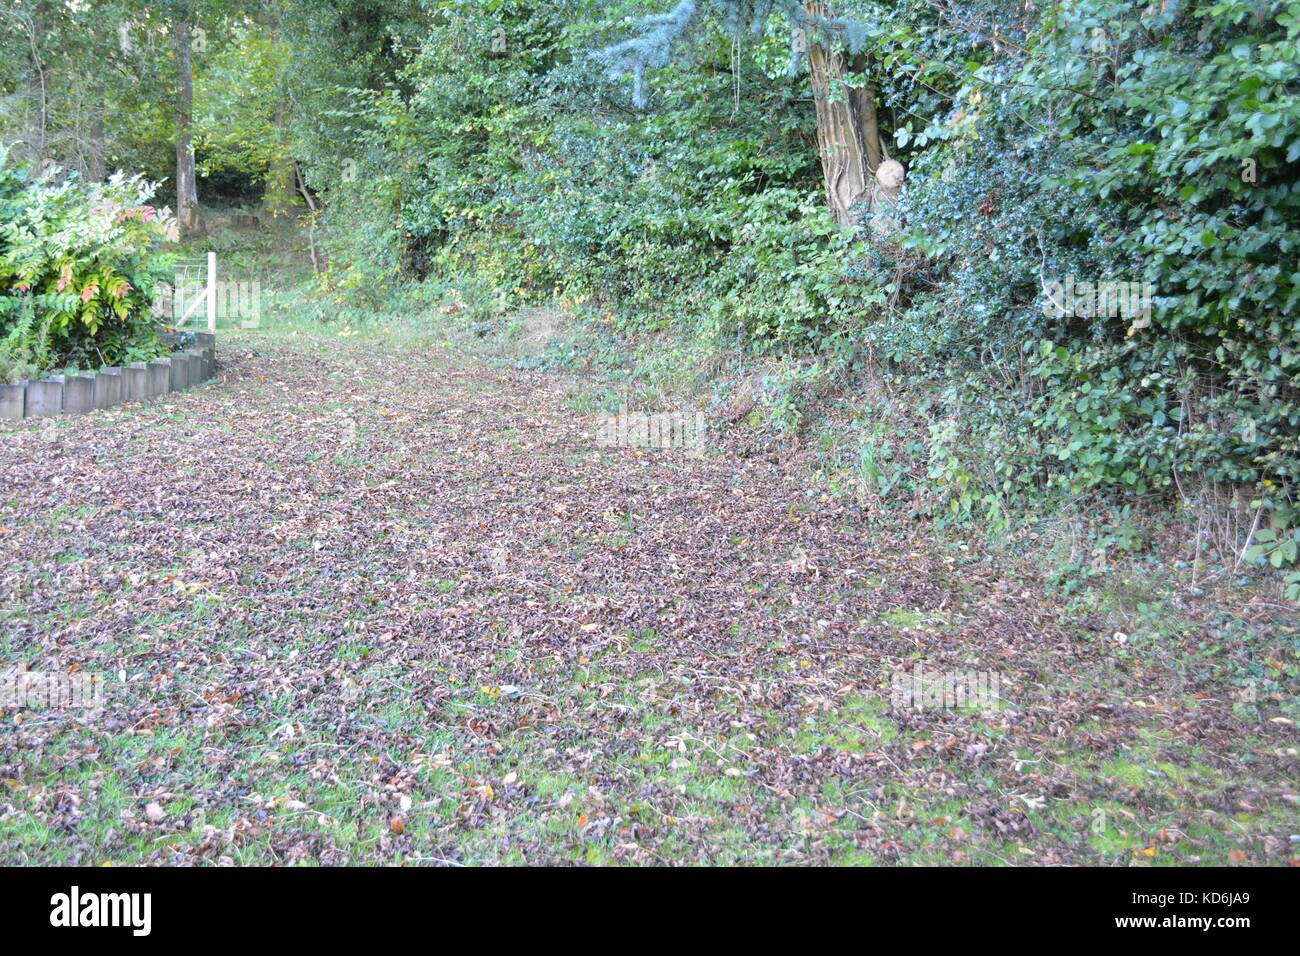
x,y
359,611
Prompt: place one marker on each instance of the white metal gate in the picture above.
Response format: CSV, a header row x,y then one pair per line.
x,y
195,288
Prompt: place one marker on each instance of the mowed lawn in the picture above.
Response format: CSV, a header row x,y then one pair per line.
x,y
375,600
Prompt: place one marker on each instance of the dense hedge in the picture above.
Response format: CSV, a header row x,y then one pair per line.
x,y
1089,142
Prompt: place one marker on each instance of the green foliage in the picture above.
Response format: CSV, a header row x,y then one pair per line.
x,y
1085,142
497,149
1164,161
25,349
240,104
663,32
78,262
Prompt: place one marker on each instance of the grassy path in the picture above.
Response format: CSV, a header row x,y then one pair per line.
x,y
368,613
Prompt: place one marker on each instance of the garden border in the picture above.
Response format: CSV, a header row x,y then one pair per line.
x,y
109,387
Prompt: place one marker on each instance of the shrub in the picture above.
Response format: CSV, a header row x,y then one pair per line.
x,y
78,264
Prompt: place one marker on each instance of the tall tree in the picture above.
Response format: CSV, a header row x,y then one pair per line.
x,y
853,155
28,24
243,108
187,197
848,132
96,161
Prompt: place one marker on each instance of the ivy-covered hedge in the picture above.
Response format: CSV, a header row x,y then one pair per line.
x,y
1153,146
1089,141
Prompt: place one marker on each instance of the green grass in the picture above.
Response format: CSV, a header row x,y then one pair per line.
x,y
293,705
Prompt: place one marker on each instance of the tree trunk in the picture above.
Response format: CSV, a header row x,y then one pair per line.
x,y
96,162
279,194
311,218
38,134
848,136
187,196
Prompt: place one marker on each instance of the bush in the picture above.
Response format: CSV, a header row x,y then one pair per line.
x,y
1086,140
1166,162
78,264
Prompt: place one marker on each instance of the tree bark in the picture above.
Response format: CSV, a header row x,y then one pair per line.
x,y
96,162
311,218
848,134
279,191
187,197
39,134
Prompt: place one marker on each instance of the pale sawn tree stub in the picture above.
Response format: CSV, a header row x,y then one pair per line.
x,y
860,177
